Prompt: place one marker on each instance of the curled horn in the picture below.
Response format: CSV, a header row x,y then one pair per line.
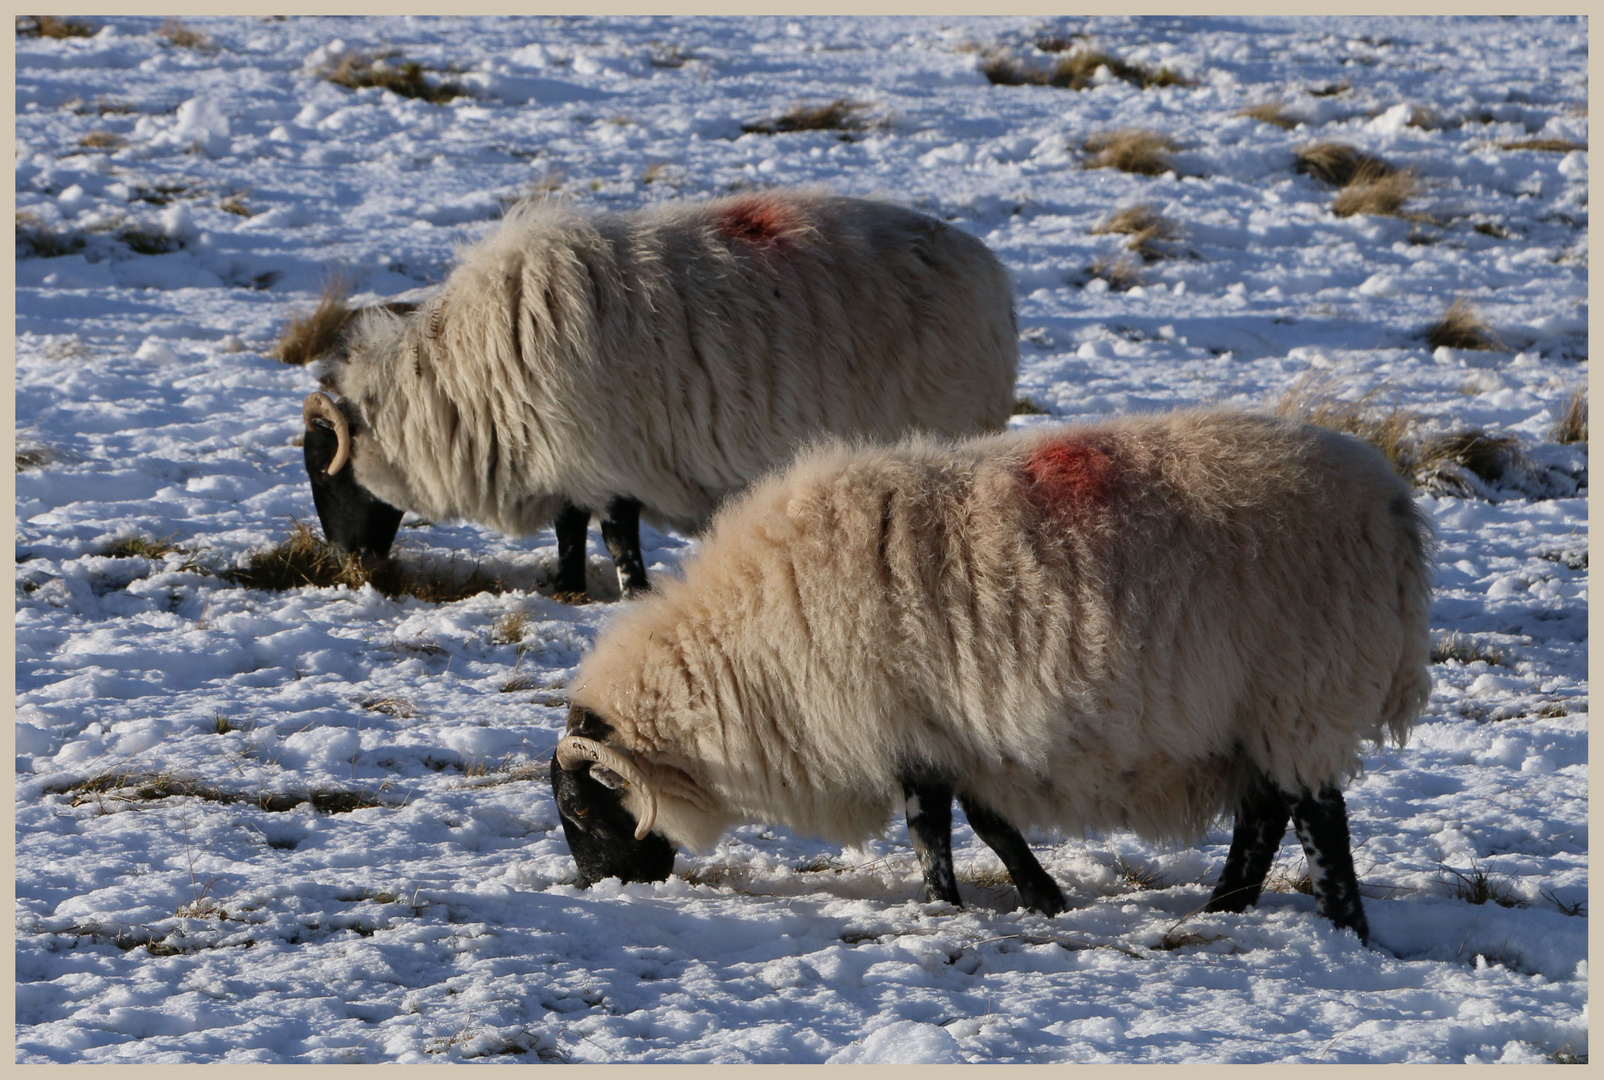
x,y
318,406
575,749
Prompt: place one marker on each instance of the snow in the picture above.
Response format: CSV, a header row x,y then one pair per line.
x,y
225,905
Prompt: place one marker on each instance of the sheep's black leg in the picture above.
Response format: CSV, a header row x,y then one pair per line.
x,y
1036,887
1261,823
929,809
573,522
1322,824
620,529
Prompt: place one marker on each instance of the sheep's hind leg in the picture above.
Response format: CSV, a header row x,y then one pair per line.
x,y
929,807
1261,823
1036,887
620,529
1322,823
573,522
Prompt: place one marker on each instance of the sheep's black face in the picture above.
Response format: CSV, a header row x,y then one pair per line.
x,y
353,520
601,833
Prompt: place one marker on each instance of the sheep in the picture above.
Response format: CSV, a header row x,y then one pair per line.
x,y
654,363
1143,623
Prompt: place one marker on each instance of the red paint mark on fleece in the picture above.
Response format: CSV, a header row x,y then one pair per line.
x,y
759,219
1069,477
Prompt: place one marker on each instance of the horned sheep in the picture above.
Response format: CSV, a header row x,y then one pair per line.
x,y
1143,623
653,363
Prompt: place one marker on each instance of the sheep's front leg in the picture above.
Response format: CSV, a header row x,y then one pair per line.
x,y
572,524
1037,889
929,807
1261,823
620,529
1322,824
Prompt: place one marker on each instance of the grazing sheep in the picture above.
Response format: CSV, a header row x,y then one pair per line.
x,y
655,362
1138,624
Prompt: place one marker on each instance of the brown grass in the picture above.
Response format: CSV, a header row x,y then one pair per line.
x,y
391,706
37,240
1120,271
1339,164
509,629
1463,650
1461,328
306,560
358,71
1146,227
1486,456
1571,427
838,115
311,335
1132,150
1023,406
1554,146
139,547
1271,112
50,26
1383,196
1312,399
1075,71
175,32
103,140
235,204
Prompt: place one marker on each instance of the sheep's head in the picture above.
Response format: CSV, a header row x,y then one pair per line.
x,y
590,778
353,518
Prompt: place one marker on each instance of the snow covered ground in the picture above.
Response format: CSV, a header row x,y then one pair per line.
x,y
183,896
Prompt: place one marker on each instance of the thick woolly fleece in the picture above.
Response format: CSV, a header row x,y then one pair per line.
x,y
673,355
1087,627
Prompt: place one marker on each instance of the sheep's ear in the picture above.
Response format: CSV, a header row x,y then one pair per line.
x,y
607,778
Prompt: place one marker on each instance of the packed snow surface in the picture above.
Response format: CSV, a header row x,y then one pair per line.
x,y
314,825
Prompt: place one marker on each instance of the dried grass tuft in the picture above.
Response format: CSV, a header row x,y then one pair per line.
x,y
1553,146
1312,399
509,629
399,707
102,140
1382,196
1271,112
37,240
1120,271
309,336
1463,650
1132,150
357,71
139,547
1339,164
1571,427
1479,887
1077,71
1147,228
1023,406
50,26
176,33
838,115
1461,328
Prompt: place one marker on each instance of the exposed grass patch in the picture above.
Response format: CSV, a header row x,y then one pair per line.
x,y
102,140
358,71
1023,406
1132,150
1461,328
305,559
1271,112
1076,71
1382,196
986,876
841,114
1461,649
314,333
390,706
509,629
125,785
1486,456
1312,400
1120,271
1553,146
37,240
1493,229
33,457
1479,887
176,33
51,26
1339,164
1571,427
235,204
1330,89
1146,227
1138,877
139,547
